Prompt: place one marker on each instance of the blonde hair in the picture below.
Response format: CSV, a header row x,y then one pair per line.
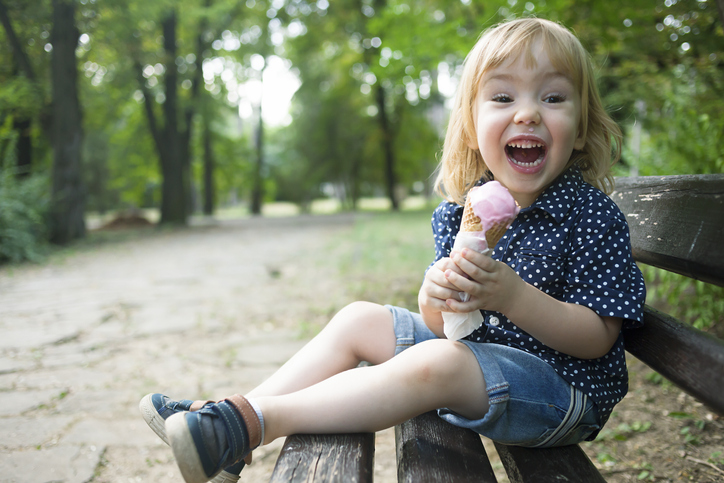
x,y
461,167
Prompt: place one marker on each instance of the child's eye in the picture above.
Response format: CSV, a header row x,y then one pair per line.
x,y
502,98
554,98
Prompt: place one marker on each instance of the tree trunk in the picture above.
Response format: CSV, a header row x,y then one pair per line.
x,y
174,199
24,146
257,192
68,193
209,189
22,123
190,110
16,45
387,147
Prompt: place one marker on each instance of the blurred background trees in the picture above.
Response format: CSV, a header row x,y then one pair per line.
x,y
175,102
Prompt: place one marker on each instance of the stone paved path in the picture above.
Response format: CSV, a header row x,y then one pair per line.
x,y
202,312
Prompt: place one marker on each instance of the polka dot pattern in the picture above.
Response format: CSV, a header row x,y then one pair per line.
x,y
573,244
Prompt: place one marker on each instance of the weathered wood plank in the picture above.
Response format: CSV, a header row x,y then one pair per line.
x,y
677,222
432,450
328,458
547,465
690,358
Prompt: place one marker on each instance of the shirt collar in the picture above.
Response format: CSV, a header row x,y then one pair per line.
x,y
559,197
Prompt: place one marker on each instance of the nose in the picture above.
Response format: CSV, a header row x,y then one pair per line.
x,y
527,113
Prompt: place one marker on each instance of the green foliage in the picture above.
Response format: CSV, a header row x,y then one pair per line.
x,y
233,159
23,209
697,303
659,380
623,431
717,458
660,66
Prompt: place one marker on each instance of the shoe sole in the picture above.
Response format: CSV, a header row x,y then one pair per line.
x,y
184,449
225,477
158,425
152,418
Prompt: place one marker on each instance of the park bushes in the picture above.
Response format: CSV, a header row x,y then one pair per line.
x,y
23,210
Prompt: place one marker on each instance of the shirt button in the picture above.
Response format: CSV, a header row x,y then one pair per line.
x,y
494,321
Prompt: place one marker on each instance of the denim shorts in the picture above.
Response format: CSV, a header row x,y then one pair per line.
x,y
530,404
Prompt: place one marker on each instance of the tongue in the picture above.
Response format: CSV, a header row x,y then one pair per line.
x,y
525,155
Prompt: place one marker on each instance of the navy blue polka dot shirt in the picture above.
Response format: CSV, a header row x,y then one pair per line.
x,y
573,244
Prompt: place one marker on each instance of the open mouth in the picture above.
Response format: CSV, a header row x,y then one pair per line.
x,y
526,154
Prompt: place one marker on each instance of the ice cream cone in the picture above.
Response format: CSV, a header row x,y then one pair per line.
x,y
495,233
470,222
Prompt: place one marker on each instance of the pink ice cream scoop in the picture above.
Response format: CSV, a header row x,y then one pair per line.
x,y
495,207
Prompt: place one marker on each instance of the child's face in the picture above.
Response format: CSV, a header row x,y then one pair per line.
x,y
527,124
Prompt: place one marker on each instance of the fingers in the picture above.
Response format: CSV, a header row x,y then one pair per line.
x,y
473,264
464,271
436,288
460,283
447,264
478,271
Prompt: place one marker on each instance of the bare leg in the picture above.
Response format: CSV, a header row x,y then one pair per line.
x,y
359,332
430,375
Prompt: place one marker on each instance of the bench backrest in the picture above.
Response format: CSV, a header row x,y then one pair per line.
x,y
677,223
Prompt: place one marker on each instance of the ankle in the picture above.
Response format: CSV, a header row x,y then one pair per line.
x,y
260,417
252,418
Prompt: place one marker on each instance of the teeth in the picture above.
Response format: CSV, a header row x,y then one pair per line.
x,y
528,144
537,162
525,144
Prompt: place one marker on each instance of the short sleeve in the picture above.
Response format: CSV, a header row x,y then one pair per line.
x,y
601,272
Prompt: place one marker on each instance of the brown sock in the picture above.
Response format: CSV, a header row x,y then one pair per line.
x,y
251,420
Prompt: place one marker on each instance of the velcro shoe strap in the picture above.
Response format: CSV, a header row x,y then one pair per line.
x,y
250,418
196,405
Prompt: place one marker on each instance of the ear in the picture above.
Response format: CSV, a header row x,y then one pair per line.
x,y
472,143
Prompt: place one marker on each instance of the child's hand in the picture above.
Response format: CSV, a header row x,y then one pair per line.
x,y
436,289
492,285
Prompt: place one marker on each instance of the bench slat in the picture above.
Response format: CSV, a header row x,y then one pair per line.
x,y
690,358
677,222
432,450
547,465
326,458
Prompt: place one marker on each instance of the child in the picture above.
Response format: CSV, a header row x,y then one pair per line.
x,y
547,365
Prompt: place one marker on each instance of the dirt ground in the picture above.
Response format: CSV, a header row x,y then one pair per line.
x,y
209,310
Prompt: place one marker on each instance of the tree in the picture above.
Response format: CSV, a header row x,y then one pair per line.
x,y
68,194
209,186
27,97
167,138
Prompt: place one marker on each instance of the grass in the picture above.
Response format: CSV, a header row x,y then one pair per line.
x,y
385,255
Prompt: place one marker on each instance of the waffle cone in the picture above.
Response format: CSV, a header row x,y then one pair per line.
x,y
470,221
495,233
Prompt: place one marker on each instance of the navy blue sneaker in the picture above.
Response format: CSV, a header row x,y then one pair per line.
x,y
216,436
157,408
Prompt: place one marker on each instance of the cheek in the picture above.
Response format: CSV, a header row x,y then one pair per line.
x,y
474,135
566,129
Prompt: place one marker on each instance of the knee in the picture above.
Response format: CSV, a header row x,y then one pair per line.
x,y
359,315
440,361
366,330
358,320
361,308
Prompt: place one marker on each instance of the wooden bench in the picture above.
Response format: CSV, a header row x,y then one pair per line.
x,y
677,223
